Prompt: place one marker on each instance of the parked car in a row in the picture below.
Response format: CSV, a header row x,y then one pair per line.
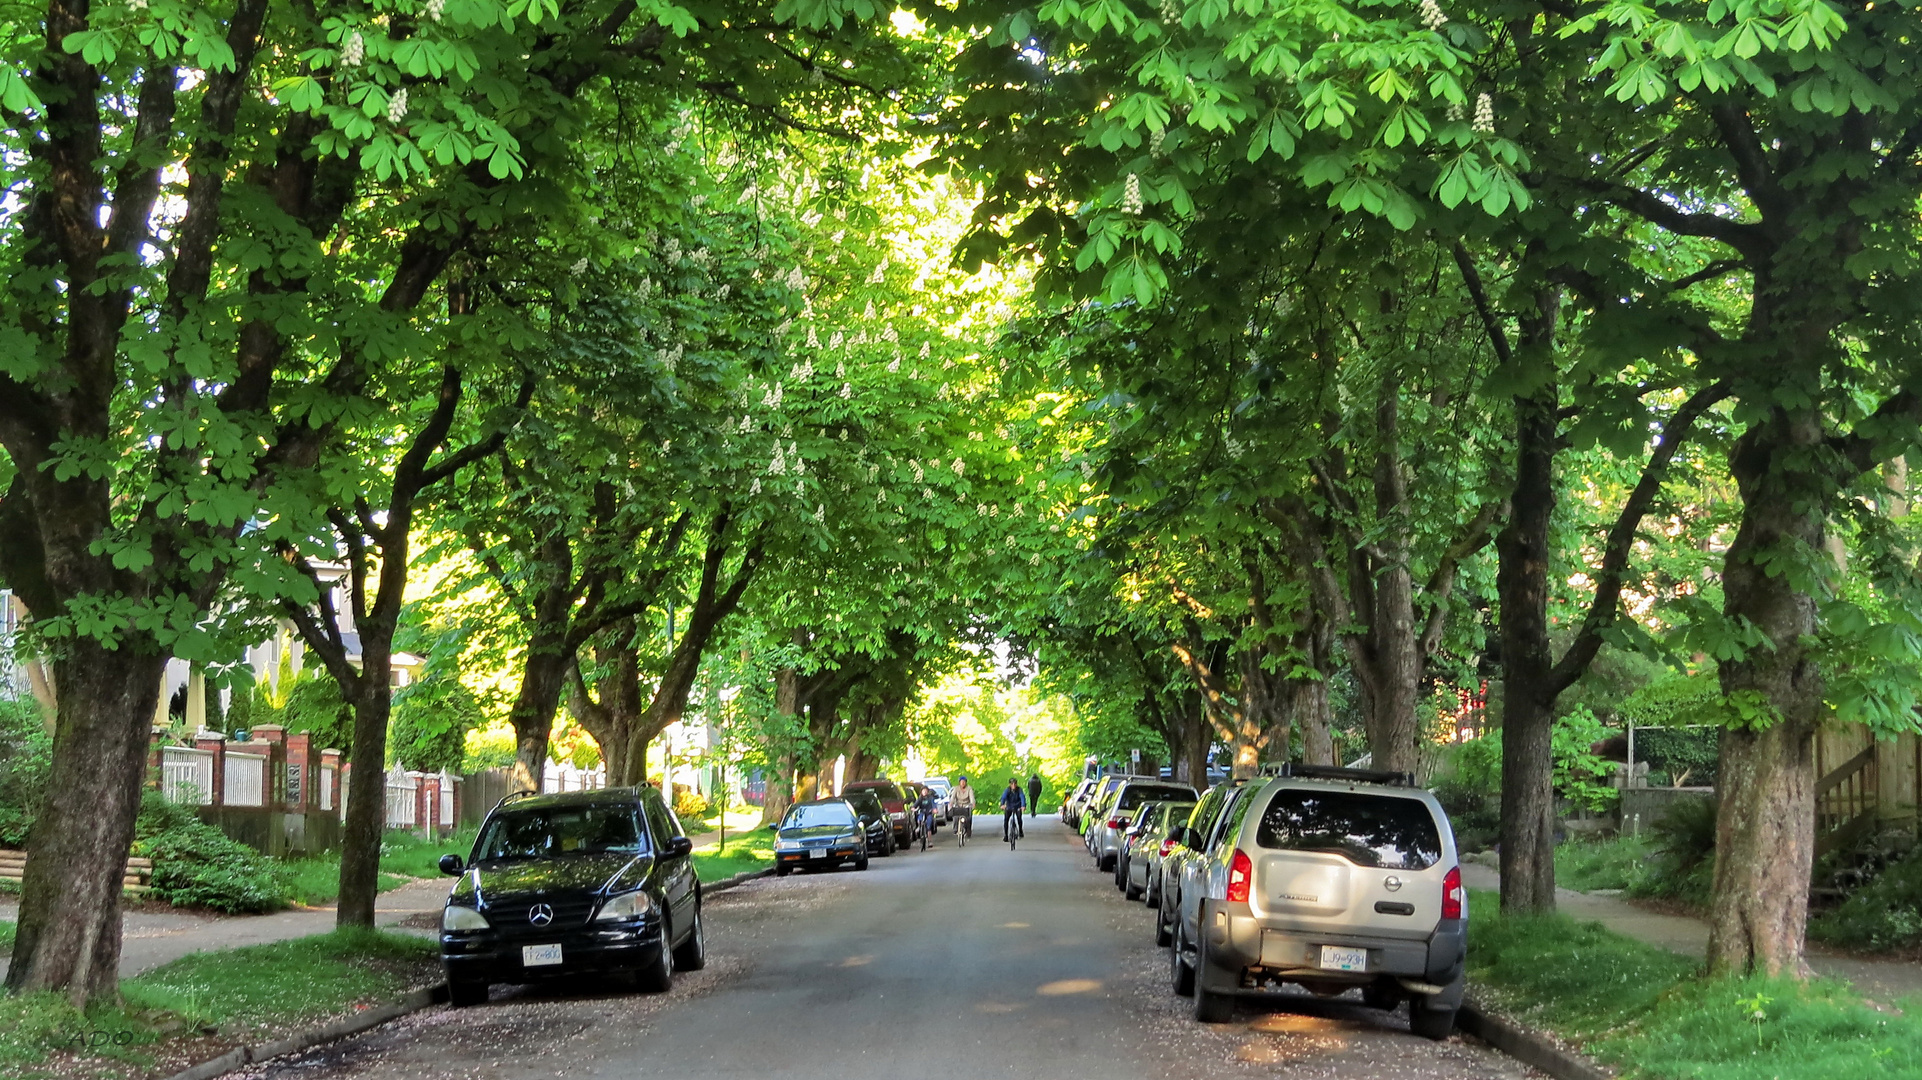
x,y
558,885
1325,878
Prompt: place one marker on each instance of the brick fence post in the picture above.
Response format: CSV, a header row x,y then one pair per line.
x,y
273,786
156,754
300,773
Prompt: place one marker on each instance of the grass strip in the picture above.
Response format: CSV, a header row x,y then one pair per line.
x,y
250,994
742,856
6,936
315,881
1649,1013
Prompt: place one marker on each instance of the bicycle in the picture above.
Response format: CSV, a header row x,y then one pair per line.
x,y
925,817
1007,829
963,826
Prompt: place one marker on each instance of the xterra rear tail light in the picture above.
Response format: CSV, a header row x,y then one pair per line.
x,y
1241,872
1452,894
1117,823
1167,846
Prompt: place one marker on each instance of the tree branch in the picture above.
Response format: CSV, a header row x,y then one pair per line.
x,y
1621,537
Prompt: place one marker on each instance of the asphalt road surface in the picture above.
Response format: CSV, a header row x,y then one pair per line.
x,y
951,963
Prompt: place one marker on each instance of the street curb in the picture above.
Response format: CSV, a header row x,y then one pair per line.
x,y
372,1018
339,1029
736,880
1527,1046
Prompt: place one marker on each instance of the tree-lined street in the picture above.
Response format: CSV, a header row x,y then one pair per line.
x,y
964,962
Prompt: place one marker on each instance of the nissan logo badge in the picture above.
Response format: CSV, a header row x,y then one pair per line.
x,y
540,914
1393,884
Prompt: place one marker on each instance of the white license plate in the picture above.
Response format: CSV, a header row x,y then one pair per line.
x,y
817,853
1338,959
540,955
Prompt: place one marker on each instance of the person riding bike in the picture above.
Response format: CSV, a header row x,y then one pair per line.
x,y
1011,803
924,814
961,804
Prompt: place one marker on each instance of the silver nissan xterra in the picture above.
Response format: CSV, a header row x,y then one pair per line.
x,y
1330,879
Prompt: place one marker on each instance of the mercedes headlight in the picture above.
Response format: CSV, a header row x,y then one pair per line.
x,y
629,905
455,917
787,845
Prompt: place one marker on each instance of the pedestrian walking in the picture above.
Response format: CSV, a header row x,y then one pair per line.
x,y
1034,793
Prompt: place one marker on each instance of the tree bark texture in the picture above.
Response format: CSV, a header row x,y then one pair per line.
x,y
1765,831
1528,701
68,935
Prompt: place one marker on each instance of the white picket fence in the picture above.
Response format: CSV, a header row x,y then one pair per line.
x,y
403,803
246,779
569,778
187,775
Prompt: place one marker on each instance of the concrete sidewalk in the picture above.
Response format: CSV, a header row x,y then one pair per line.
x,y
1880,979
149,939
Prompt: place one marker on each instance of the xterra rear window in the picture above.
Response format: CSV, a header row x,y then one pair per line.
x,y
1368,830
1135,794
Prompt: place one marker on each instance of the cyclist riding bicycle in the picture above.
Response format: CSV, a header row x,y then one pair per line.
x,y
924,814
961,803
1011,803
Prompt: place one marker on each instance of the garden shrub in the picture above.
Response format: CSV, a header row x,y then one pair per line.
x,y
196,865
26,760
1683,841
689,804
1882,915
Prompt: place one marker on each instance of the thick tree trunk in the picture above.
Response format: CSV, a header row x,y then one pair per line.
x,y
1765,831
1308,705
1393,733
366,816
1528,718
68,935
543,680
1197,742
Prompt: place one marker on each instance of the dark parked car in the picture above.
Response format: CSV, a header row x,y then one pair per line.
x,y
900,812
556,885
820,835
874,820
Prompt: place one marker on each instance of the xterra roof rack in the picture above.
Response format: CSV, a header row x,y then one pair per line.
x,y
511,796
1332,772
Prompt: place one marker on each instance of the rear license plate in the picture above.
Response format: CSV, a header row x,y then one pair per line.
x,y
817,853
1338,959
540,955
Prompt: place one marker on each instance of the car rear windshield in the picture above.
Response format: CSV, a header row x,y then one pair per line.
x,y
1368,830
1136,794
806,817
880,791
563,830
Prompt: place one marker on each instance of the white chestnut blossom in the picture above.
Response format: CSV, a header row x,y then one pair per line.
x,y
397,106
1484,123
1131,195
353,51
1432,16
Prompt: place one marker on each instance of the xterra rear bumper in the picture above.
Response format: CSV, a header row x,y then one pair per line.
x,y
1245,954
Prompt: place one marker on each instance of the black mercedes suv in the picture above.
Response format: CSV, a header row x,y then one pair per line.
x,y
584,881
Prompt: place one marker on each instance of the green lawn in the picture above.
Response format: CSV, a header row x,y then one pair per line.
x,y
403,855
1648,1012
6,936
754,851
247,993
1586,865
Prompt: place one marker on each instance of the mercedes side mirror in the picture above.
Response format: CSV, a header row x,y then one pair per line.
x,y
680,845
451,865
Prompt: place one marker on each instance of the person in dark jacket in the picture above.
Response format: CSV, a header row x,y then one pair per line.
x,y
1034,793
1011,803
